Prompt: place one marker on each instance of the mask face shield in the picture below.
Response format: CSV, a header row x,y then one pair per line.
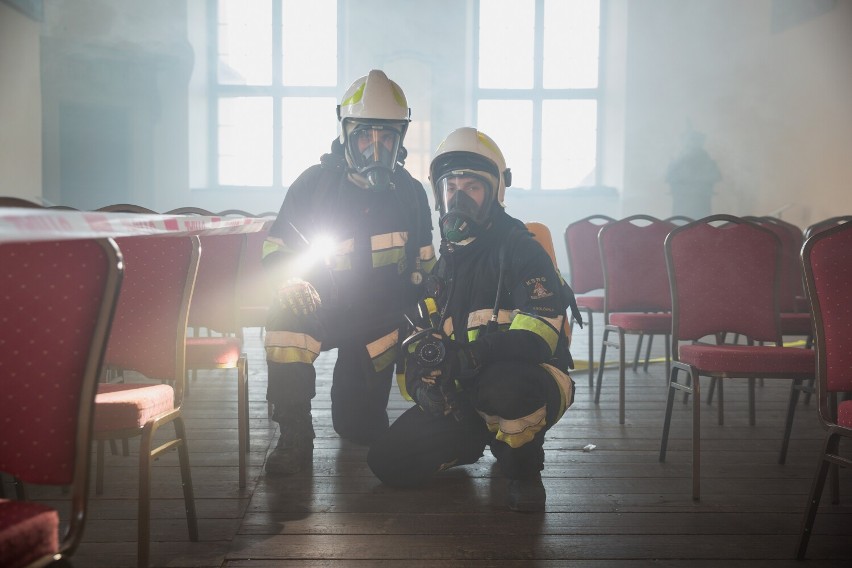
x,y
372,150
466,197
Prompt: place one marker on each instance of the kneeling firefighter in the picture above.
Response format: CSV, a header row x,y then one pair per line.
x,y
352,294
489,364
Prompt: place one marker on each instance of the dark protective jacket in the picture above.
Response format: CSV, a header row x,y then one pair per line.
x,y
532,303
381,238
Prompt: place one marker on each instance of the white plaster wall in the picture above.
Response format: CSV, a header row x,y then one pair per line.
x,y
774,105
20,106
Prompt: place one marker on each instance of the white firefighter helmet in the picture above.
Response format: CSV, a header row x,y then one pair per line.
x,y
468,176
374,117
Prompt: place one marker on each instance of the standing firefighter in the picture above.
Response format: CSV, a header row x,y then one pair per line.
x,y
350,245
490,365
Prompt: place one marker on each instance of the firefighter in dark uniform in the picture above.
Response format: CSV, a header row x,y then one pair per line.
x,y
346,254
502,383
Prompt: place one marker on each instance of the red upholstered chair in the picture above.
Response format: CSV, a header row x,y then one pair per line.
x,y
723,274
586,273
637,300
827,260
254,292
820,226
679,220
149,337
18,202
793,320
126,208
215,308
48,375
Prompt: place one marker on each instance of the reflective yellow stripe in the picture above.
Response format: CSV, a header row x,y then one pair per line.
x,y
543,327
388,240
291,339
473,334
271,245
342,258
290,355
388,248
383,350
387,257
566,389
426,260
519,431
427,252
482,317
400,383
356,96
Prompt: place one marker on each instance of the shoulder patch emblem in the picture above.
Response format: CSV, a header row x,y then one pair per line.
x,y
538,291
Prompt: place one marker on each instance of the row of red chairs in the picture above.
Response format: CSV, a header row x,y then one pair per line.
x,y
726,275
124,305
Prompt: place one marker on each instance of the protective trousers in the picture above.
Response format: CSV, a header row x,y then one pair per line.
x,y
509,406
361,381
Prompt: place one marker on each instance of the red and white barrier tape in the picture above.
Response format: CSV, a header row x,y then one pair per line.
x,y
24,224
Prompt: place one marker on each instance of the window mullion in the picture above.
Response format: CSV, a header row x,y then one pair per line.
x,y
536,95
277,92
213,101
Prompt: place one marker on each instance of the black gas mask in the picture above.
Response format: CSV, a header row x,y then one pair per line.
x,y
372,150
466,197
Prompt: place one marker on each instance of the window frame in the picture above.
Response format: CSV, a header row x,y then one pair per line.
x,y
276,91
538,93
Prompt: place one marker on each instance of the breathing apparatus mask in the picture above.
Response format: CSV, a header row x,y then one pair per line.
x,y
372,150
466,190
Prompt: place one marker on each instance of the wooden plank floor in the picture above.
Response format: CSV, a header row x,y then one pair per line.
x,y
613,506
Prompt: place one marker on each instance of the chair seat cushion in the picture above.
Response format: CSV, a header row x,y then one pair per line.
x,y
594,303
796,324
844,414
212,352
655,323
28,531
742,360
120,406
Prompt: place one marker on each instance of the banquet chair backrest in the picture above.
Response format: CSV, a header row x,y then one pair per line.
x,y
8,201
634,265
790,277
57,299
149,331
827,260
126,208
214,299
826,224
584,257
723,277
679,220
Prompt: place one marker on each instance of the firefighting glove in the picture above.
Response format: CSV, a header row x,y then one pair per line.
x,y
299,297
425,387
462,362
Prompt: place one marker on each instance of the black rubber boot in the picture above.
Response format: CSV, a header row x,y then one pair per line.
x,y
526,495
295,448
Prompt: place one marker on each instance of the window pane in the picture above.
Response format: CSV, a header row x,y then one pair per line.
x,y
509,123
310,125
569,143
571,32
311,24
506,32
245,141
245,43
